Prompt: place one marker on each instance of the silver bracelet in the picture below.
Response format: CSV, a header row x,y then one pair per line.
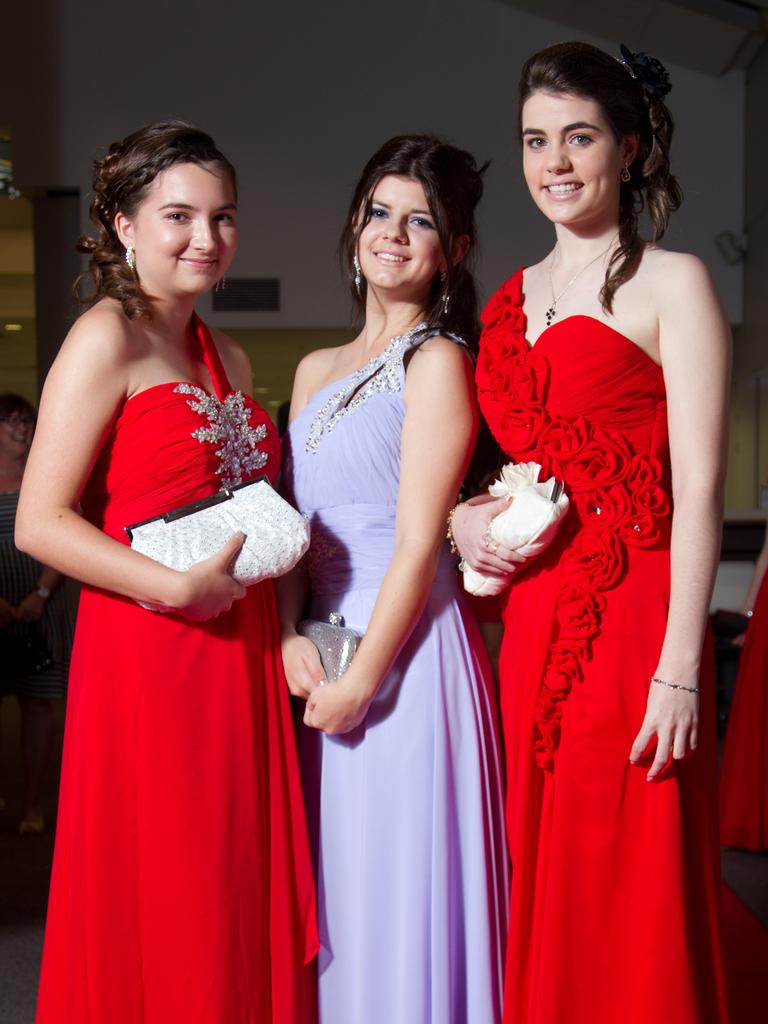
x,y
675,686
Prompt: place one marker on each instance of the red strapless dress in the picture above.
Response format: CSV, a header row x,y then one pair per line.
x,y
614,906
181,887
744,777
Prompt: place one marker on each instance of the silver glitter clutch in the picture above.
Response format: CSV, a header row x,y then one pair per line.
x,y
335,643
276,535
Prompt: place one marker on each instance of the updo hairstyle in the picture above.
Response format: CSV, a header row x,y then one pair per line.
x,y
453,185
630,94
121,182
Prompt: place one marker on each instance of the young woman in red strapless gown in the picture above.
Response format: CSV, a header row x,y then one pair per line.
x,y
607,363
181,886
744,772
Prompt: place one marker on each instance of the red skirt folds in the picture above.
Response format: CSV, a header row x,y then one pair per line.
x,y
615,882
181,887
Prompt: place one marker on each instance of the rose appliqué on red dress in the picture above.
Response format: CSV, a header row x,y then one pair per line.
x,y
618,495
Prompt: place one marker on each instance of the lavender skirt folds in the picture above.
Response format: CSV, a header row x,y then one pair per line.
x,y
405,812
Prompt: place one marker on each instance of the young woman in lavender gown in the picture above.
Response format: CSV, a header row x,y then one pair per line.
x,y
400,755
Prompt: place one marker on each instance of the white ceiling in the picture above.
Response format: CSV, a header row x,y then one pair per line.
x,y
713,36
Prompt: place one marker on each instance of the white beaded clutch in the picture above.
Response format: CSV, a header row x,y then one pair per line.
x,y
276,535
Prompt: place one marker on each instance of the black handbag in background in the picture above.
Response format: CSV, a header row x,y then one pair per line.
x,y
727,625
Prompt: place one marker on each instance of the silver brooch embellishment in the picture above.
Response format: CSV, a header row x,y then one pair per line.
x,y
228,427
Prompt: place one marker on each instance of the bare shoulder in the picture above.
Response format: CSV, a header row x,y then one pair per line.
x,y
693,327
443,351
104,328
92,372
318,363
102,343
314,370
438,363
235,360
673,275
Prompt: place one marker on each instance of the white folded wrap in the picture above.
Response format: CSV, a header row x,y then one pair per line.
x,y
527,526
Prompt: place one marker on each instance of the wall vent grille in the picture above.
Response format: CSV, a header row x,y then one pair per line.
x,y
248,294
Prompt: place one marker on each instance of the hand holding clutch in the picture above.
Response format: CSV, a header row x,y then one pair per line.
x,y
276,535
336,709
335,643
527,526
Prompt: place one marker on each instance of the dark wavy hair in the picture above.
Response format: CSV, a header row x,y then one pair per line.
x,y
11,403
579,69
120,184
453,186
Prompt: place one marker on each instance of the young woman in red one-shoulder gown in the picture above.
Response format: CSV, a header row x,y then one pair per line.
x,y
181,886
607,363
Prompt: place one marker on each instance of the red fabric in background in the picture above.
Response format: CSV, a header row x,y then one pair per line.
x,y
746,953
744,772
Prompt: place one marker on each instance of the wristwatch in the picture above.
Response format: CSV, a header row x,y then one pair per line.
x,y
43,593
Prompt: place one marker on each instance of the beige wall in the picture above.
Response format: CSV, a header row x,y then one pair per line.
x,y
748,464
275,353
299,95
18,362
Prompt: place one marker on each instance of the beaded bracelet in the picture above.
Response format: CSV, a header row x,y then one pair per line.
x,y
449,530
675,686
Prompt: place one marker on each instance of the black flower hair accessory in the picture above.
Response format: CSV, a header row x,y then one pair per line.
x,y
649,72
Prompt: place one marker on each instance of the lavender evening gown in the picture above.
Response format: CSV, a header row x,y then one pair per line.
x,y
405,812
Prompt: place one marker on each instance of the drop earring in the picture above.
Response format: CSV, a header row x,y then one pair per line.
x,y
130,257
358,278
221,284
446,300
626,175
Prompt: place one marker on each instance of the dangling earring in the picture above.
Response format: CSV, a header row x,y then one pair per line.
x,y
130,257
358,278
626,175
446,296
221,284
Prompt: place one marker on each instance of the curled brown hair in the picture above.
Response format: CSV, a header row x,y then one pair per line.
x,y
631,106
120,184
453,186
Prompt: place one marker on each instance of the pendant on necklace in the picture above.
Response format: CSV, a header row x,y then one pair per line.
x,y
549,314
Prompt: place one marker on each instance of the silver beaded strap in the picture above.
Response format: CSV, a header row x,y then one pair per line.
x,y
675,686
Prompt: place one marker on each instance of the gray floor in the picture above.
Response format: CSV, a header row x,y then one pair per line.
x,y
25,866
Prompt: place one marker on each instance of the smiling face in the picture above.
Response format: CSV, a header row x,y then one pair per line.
x,y
399,248
572,160
184,233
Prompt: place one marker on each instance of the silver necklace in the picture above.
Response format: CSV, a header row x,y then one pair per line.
x,y
551,312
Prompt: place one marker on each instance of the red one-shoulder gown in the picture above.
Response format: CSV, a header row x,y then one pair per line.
x,y
181,887
615,881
